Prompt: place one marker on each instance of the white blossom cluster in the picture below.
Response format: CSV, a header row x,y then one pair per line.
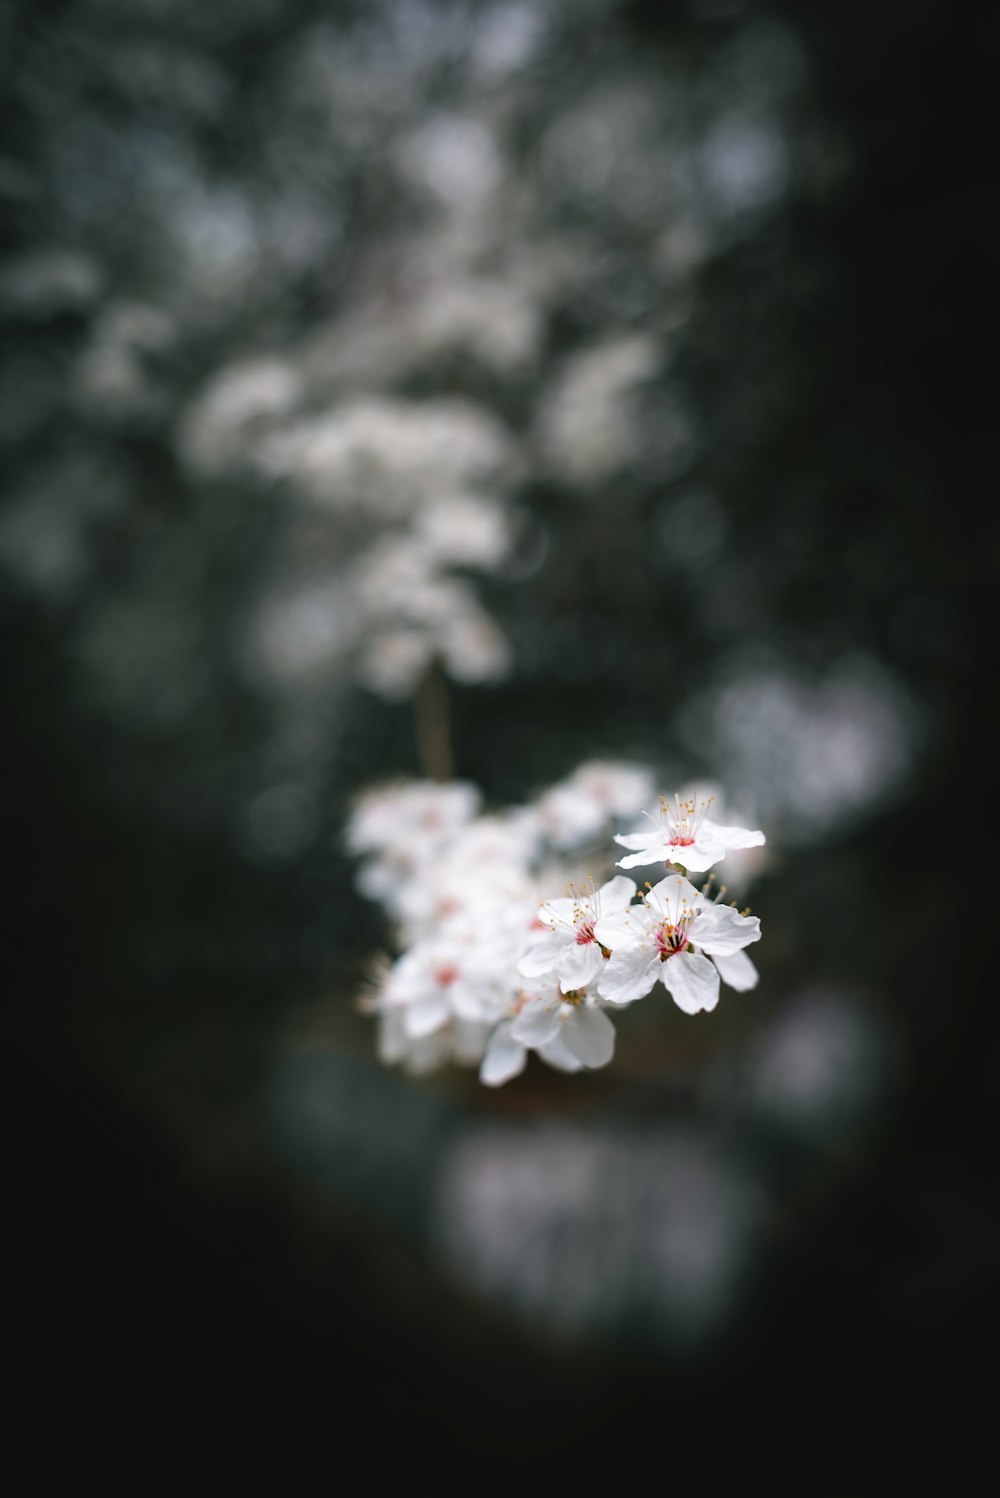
x,y
393,503
492,965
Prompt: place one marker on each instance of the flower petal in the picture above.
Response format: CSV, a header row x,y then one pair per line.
x,y
392,1037
505,1057
692,982
637,840
474,1001
623,926
735,837
672,891
700,855
737,971
542,957
658,852
629,973
536,1024
590,1035
426,1016
720,930
580,965
558,912
615,895
556,1053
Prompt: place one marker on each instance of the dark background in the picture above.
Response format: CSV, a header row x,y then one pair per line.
x,y
181,1273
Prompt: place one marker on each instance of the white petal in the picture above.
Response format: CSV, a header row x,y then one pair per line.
x,y
558,912
692,981
392,1038
615,895
536,1024
542,957
623,926
637,840
590,1035
629,973
738,971
735,837
474,1001
701,855
580,965
658,852
720,930
505,1057
671,891
557,1054
426,1055
426,1016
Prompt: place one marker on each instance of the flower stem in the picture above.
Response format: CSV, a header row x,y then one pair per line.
x,y
432,725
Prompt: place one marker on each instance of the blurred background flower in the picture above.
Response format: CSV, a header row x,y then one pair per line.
x,y
595,361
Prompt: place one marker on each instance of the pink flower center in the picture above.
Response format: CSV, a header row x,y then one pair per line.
x,y
585,933
671,939
682,820
445,975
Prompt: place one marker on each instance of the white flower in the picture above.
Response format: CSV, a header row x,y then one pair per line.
x,y
671,937
404,827
587,421
743,865
496,844
496,325
467,530
505,1057
394,662
572,1017
395,815
567,1030
436,872
616,786
470,645
459,1040
382,457
409,613
219,429
578,809
566,943
444,897
682,833
488,973
439,980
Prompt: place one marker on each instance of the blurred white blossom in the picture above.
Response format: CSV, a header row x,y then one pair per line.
x,y
407,615
813,755
387,457
580,808
240,400
588,423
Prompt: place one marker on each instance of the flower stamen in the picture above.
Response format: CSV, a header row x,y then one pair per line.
x,y
683,819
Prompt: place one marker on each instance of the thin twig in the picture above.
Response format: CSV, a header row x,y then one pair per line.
x,y
432,725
